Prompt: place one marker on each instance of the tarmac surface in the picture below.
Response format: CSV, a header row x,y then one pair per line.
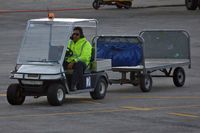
x,y
125,109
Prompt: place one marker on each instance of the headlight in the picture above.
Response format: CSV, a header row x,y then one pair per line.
x,y
18,76
30,82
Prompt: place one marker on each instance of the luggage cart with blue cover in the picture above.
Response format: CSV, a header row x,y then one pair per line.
x,y
167,51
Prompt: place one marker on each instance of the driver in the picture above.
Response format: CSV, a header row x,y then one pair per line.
x,y
80,59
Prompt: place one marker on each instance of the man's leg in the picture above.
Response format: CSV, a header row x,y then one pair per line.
x,y
65,64
77,76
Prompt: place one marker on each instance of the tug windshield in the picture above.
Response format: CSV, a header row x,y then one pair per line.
x,y
44,42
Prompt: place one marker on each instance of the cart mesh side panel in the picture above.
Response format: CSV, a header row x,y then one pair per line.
x,y
166,44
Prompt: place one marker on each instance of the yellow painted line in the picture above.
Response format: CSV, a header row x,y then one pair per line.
x,y
137,108
160,97
67,113
90,101
76,97
159,108
184,115
111,110
82,99
2,95
177,107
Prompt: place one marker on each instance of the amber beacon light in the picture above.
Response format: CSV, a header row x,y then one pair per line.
x,y
51,15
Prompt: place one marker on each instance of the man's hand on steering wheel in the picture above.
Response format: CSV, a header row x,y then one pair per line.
x,y
69,53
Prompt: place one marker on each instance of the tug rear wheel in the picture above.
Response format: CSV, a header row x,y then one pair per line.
x,y
56,94
100,90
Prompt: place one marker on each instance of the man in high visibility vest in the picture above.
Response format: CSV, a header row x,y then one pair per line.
x,y
80,59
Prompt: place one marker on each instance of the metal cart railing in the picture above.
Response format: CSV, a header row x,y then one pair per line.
x,y
167,51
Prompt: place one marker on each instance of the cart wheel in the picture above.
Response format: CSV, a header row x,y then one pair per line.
x,y
199,4
56,94
15,95
134,77
96,4
179,77
100,90
146,83
119,6
128,5
191,4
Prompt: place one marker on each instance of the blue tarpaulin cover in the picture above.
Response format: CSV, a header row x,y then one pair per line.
x,y
121,53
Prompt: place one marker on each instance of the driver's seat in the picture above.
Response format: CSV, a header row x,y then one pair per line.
x,y
89,67
93,55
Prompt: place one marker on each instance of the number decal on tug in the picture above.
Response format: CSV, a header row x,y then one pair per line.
x,y
88,82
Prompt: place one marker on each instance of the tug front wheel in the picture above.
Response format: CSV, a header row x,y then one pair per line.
x,y
15,95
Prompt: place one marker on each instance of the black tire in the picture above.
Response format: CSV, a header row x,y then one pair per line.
x,y
119,6
56,94
191,4
199,4
100,89
146,83
127,5
134,77
179,77
96,4
15,95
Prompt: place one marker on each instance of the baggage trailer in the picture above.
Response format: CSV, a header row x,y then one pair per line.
x,y
118,3
166,51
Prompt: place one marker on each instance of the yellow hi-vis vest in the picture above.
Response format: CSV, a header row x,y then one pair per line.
x,y
82,51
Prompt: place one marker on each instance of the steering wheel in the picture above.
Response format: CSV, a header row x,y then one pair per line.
x,y
69,52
